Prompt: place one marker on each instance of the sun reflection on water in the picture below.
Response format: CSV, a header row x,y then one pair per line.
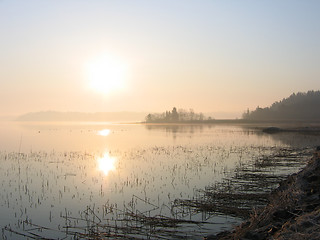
x,y
106,164
104,132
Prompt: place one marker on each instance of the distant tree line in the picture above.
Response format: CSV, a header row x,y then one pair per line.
x,y
175,115
300,106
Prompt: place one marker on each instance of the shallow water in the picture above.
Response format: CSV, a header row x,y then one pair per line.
x,y
53,174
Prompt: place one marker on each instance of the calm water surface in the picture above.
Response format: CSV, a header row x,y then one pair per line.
x,y
53,174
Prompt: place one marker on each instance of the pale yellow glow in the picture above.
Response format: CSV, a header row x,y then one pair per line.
x,y
106,164
106,74
104,132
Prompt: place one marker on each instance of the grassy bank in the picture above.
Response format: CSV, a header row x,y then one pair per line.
x,y
293,211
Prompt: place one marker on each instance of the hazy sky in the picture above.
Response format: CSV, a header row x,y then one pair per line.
x,y
76,55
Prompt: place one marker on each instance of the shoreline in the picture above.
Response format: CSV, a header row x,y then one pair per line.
x,y
293,211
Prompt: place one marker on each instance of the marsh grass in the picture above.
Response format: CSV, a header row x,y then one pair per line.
x,y
250,184
243,189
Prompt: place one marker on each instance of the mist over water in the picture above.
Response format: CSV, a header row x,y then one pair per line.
x,y
52,170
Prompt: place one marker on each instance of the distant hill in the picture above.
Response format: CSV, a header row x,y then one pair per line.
x,y
7,117
83,117
300,106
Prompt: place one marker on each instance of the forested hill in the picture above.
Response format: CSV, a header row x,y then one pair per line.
x,y
300,106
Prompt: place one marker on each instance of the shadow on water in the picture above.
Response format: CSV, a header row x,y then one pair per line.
x,y
176,129
294,139
297,139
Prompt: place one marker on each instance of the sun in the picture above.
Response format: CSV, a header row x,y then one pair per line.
x,y
106,74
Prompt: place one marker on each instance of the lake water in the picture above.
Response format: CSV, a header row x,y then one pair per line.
x,y
60,180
